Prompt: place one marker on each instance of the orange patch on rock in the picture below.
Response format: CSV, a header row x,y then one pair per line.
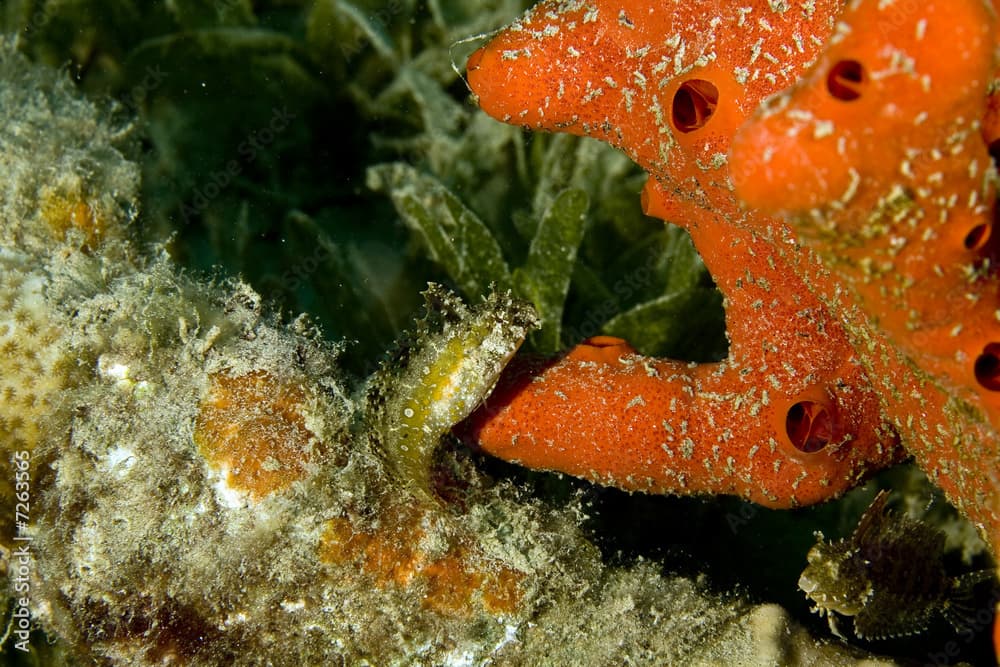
x,y
253,427
453,583
66,211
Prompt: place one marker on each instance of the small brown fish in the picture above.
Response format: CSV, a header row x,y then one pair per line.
x,y
889,575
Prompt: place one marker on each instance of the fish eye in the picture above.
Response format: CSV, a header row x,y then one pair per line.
x,y
814,556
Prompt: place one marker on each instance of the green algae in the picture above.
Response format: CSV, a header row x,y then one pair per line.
x,y
545,277
242,105
452,235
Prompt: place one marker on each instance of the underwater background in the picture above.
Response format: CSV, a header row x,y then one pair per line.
x,y
328,153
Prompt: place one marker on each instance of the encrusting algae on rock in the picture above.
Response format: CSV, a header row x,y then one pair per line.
x,y
451,575
435,379
206,490
252,429
72,206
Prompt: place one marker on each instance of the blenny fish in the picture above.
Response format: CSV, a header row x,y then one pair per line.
x,y
889,576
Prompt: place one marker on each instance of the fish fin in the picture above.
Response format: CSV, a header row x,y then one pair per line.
x,y
960,609
832,622
870,525
886,616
